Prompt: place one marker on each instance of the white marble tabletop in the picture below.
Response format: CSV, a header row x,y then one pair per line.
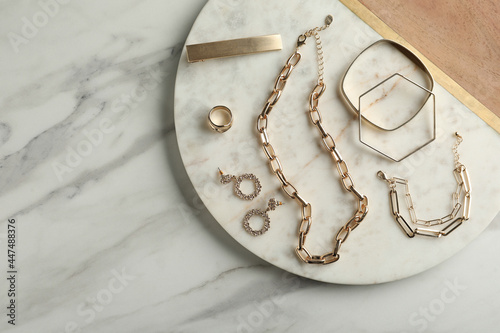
x,y
377,251
112,237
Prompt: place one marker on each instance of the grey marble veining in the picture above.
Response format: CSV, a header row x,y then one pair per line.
x,y
122,242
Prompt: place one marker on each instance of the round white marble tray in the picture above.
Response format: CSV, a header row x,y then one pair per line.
x,y
377,251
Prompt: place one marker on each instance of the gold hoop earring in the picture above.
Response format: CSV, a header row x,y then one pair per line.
x,y
226,179
271,205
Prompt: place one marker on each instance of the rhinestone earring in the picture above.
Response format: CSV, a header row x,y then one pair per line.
x,y
271,205
226,179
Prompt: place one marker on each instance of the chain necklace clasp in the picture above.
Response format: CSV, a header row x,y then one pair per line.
x,y
301,40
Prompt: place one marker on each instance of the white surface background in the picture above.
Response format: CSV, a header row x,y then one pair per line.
x,y
127,207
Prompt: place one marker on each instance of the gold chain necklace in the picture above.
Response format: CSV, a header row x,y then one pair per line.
x,y
328,143
463,191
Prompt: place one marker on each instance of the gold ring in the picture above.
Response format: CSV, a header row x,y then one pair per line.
x,y
220,118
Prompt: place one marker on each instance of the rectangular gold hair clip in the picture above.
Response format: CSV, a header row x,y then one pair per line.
x,y
233,47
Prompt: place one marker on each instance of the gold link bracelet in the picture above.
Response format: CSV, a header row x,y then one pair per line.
x,y
327,141
463,187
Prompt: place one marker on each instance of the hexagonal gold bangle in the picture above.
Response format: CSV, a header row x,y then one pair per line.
x,y
362,118
220,118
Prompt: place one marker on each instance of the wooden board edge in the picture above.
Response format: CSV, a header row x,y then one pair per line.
x,y
441,77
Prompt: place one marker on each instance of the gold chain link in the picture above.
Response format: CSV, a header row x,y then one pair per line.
x,y
329,144
463,191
